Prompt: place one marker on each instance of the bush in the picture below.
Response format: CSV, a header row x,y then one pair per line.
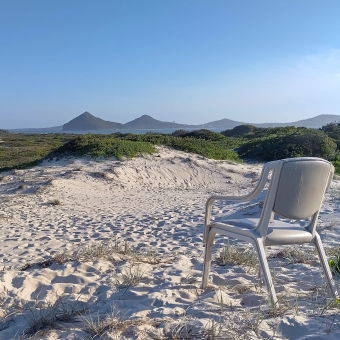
x,y
309,143
215,149
179,133
332,130
334,265
203,134
103,145
240,130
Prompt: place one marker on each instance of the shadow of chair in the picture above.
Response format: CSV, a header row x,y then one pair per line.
x,y
296,190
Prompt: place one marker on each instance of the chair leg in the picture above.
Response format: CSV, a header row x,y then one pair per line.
x,y
264,268
207,258
324,264
259,272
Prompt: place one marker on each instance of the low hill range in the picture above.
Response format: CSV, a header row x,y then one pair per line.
x,y
87,122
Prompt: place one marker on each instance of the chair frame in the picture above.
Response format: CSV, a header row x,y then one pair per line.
x,y
257,236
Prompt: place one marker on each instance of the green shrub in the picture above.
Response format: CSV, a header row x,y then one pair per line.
x,y
336,162
308,143
333,130
220,149
240,130
334,265
179,133
103,145
203,134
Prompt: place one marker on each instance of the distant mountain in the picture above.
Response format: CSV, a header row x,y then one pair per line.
x,y
147,122
318,121
314,122
86,121
220,124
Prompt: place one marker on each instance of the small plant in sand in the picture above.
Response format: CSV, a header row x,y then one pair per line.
x,y
96,326
95,251
334,265
55,201
131,276
296,254
103,250
61,257
150,256
6,312
45,314
230,254
111,326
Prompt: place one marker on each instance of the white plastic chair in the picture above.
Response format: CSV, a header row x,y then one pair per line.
x,y
296,190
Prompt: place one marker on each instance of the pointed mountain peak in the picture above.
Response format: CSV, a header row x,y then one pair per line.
x,y
87,122
86,114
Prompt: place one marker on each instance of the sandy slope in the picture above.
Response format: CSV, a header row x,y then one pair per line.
x,y
156,204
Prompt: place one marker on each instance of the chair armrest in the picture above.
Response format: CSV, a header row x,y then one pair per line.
x,y
254,193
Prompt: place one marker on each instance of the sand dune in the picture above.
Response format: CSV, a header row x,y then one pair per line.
x,y
119,243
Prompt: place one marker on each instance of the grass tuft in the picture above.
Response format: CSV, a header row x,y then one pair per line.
x,y
230,254
296,254
45,314
55,201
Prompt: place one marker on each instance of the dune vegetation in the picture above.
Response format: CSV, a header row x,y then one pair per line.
x,y
244,142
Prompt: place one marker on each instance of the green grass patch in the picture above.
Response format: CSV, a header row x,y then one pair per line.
x,y
21,151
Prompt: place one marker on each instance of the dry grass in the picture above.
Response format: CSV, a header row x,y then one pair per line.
x,y
54,202
130,276
112,326
333,251
232,255
225,321
297,254
113,251
46,314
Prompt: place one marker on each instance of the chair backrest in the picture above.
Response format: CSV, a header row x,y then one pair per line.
x,y
301,187
297,189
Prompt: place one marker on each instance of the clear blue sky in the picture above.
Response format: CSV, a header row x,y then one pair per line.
x,y
188,61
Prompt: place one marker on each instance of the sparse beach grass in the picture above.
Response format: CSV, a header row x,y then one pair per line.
x,y
226,322
234,255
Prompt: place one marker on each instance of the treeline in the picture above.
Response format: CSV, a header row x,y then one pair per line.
x,y
244,142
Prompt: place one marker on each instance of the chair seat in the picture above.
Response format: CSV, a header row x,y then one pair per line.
x,y
279,232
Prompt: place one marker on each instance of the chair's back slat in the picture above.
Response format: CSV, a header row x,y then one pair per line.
x,y
301,187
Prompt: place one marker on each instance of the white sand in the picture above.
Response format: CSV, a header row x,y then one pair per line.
x,y
155,203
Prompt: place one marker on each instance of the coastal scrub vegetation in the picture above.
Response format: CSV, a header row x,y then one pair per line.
x,y
20,150
104,146
242,142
